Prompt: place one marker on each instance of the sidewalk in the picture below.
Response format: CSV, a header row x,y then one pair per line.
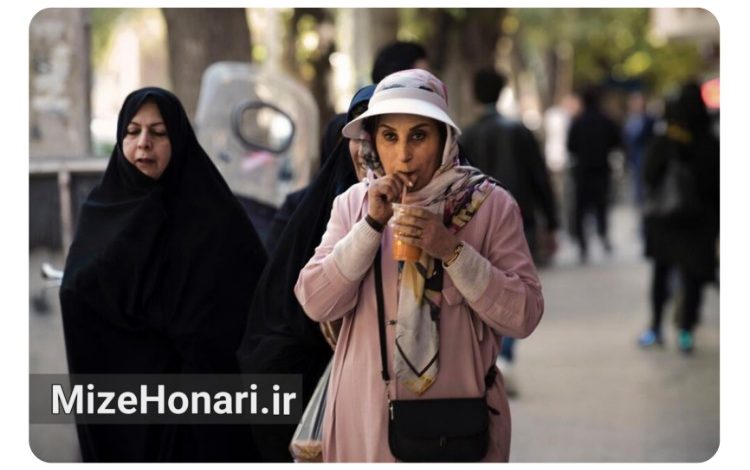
x,y
49,442
587,392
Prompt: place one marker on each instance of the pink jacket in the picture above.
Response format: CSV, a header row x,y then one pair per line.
x,y
356,416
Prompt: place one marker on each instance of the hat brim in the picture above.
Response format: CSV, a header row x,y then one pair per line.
x,y
398,106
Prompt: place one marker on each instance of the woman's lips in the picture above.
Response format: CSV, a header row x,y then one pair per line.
x,y
411,177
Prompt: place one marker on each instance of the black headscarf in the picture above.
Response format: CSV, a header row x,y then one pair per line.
x,y
159,279
280,338
689,110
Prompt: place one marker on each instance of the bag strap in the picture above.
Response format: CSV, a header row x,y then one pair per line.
x,y
381,316
489,379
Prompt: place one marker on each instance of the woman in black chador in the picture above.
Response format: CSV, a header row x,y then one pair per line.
x,y
159,279
279,337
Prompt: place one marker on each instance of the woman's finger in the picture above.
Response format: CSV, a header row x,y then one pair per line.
x,y
408,230
396,186
418,212
408,220
390,187
387,189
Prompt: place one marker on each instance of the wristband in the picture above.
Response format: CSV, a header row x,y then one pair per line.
x,y
377,226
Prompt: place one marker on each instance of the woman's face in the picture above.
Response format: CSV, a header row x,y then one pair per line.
x,y
410,145
355,148
146,144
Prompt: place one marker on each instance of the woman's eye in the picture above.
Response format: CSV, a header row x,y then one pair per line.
x,y
132,131
418,136
389,136
159,133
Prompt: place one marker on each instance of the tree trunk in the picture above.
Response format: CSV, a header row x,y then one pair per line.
x,y
519,65
289,53
438,44
460,48
547,91
198,37
383,29
320,60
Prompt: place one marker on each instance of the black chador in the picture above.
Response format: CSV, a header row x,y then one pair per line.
x,y
159,280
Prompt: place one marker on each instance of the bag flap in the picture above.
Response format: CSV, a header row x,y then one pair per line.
x,y
428,419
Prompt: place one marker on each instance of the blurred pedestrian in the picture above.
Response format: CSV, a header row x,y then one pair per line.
x,y
591,138
434,324
507,150
557,121
279,337
637,133
159,280
681,175
397,56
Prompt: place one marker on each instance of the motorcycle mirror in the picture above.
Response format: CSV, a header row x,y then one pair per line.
x,y
262,126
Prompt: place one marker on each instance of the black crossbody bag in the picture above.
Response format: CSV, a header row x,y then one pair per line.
x,y
433,430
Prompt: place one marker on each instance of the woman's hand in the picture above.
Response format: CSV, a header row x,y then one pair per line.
x,y
382,192
420,227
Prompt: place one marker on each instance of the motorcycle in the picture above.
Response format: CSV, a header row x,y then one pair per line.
x,y
260,128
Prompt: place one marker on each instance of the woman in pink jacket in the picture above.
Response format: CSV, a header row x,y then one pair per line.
x,y
444,314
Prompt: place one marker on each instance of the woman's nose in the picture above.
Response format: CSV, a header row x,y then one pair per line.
x,y
143,140
404,153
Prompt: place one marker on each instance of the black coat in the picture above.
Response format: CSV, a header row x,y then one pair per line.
x,y
507,151
591,137
689,241
159,280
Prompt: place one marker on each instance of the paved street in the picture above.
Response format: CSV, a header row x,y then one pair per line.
x,y
49,442
587,393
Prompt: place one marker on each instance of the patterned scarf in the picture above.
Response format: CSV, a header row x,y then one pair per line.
x,y
421,284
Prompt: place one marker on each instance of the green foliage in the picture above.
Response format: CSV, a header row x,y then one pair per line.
x,y
677,62
607,42
414,25
418,24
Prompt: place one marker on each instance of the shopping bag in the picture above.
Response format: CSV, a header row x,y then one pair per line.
x,y
307,441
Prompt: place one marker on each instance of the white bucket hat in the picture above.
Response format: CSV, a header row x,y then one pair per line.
x,y
414,91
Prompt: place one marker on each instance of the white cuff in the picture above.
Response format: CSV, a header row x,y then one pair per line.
x,y
470,272
355,252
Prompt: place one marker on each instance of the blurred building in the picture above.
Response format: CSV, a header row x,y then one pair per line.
x,y
696,25
685,23
59,117
59,84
